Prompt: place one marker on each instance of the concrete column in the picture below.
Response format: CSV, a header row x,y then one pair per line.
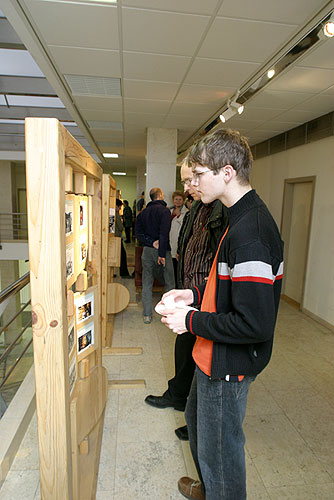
x,y
161,161
141,181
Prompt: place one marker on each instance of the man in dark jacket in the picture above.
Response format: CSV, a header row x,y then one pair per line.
x,y
234,328
152,230
197,245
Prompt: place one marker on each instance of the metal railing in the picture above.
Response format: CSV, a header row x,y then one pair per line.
x,y
13,226
12,354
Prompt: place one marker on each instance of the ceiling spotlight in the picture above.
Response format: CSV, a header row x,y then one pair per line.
x,y
270,73
227,115
110,155
237,107
329,27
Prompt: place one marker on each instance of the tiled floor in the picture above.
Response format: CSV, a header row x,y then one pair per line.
x,y
289,423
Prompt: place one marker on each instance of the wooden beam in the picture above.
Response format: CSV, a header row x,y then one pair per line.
x,y
126,384
104,247
122,351
45,167
78,158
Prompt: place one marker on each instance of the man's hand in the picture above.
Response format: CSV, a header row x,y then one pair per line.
x,y
156,244
162,260
175,320
186,295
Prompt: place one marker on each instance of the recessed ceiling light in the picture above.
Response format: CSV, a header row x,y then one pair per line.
x,y
119,173
270,73
110,155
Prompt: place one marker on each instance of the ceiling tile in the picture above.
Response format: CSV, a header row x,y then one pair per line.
x,y
321,57
50,16
278,126
329,91
19,63
140,89
296,115
189,6
193,108
240,40
283,11
81,61
99,103
277,100
262,114
204,94
25,85
321,103
98,115
311,80
167,30
217,72
146,106
107,135
144,119
154,67
180,121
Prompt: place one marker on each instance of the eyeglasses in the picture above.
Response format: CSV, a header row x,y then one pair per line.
x,y
186,182
197,176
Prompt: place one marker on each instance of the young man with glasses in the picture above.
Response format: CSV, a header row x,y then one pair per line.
x,y
235,327
197,245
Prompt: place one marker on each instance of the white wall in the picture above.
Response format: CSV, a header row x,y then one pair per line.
x,y
268,179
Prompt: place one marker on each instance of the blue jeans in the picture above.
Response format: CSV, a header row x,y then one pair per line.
x,y
214,413
151,269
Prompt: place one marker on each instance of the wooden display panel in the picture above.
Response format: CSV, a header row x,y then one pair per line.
x,y
70,380
114,251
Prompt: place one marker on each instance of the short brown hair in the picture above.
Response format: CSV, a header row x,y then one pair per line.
x,y
154,193
223,147
178,193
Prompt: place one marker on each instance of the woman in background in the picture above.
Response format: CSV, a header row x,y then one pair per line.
x,y
178,212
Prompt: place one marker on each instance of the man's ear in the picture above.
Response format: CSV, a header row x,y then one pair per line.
x,y
228,173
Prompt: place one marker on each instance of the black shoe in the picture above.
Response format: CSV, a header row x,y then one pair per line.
x,y
162,402
182,433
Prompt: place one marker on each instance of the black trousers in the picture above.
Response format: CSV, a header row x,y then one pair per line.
x,y
179,386
123,270
128,234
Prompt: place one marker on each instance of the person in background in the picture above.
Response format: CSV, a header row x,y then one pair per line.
x,y
189,201
127,221
178,212
234,327
198,238
123,270
152,230
141,203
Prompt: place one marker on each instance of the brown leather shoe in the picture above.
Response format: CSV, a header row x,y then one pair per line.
x,y
190,488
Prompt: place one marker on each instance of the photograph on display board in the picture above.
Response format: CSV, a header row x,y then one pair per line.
x,y
111,220
68,217
84,305
83,214
71,337
83,248
69,260
72,373
85,337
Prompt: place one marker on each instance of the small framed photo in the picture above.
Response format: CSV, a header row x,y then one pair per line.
x,y
86,319
72,373
69,261
83,248
85,337
71,337
83,205
69,218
